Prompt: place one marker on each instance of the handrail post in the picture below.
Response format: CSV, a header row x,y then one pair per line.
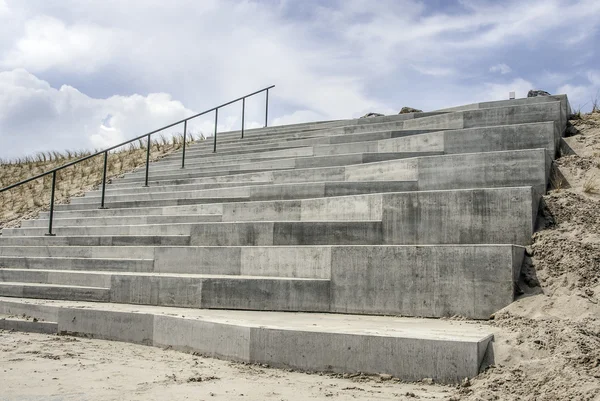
x,y
243,114
148,160
267,110
215,136
184,140
51,217
104,180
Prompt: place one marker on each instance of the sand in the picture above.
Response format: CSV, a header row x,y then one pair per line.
x,y
548,341
51,367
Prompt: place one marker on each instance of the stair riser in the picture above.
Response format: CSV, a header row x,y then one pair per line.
x,y
78,264
136,189
84,279
224,293
63,293
124,252
110,240
150,211
122,221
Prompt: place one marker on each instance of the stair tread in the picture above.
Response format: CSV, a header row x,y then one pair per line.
x,y
152,274
380,326
26,284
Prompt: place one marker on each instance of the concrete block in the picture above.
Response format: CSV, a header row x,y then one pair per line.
x,y
286,261
232,234
28,326
108,325
486,216
253,293
198,260
327,233
156,290
219,340
429,281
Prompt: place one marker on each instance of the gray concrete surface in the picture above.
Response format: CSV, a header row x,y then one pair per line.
x,y
423,215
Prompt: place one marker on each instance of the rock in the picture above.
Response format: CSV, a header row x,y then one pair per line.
x,y
368,115
466,382
571,130
409,110
385,377
535,93
427,380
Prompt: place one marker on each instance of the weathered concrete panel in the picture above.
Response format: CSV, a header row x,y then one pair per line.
x,y
429,281
287,261
484,216
120,326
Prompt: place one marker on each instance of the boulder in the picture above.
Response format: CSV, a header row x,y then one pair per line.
x,y
409,110
535,93
372,115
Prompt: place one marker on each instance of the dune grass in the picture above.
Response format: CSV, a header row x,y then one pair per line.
x,y
27,200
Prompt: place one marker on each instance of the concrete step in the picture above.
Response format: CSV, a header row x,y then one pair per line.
x,y
175,160
100,240
75,251
529,113
72,263
404,280
299,140
93,211
492,215
262,192
53,291
137,189
192,291
286,163
412,210
122,220
13,323
473,140
497,138
281,164
411,349
469,170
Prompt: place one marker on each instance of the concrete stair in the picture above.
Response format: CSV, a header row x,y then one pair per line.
x,y
423,216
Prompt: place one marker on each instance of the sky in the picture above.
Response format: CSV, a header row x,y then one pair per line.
x,y
86,74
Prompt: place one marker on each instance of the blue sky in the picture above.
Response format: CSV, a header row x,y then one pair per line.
x,y
86,74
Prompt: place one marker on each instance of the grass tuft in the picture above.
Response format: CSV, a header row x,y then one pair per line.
x,y
27,200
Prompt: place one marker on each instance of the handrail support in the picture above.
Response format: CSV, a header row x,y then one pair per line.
x,y
104,180
51,217
148,160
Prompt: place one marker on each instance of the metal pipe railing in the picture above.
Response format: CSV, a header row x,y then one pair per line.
x,y
149,145
104,180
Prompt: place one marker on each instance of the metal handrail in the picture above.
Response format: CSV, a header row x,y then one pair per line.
x,y
148,146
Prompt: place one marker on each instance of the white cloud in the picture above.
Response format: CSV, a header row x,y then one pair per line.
x,y
298,116
48,43
66,118
434,71
500,91
4,10
594,77
329,60
501,68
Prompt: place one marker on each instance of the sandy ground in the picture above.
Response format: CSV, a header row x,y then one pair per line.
x,y
56,368
548,341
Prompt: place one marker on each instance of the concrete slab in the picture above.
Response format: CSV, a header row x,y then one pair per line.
x,y
411,349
